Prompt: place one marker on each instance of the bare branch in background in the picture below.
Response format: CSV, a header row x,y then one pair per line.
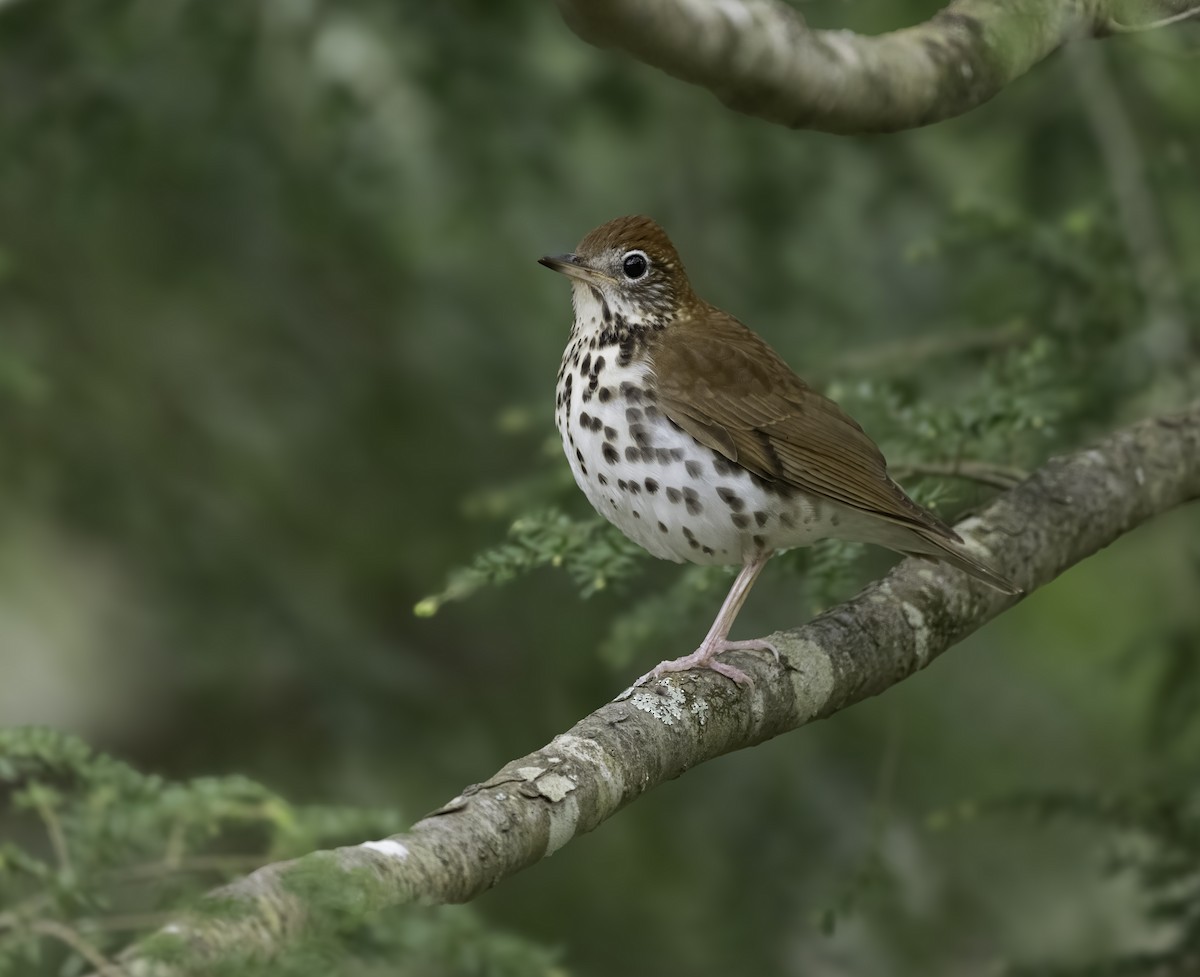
x,y
1002,477
904,355
761,58
1165,336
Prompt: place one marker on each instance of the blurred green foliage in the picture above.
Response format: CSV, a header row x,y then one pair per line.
x,y
1153,837
275,356
130,852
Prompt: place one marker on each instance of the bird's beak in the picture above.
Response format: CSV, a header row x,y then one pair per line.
x,y
572,267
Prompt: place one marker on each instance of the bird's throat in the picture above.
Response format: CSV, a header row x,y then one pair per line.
x,y
607,322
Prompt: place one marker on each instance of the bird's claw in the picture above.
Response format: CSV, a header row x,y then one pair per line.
x,y
705,657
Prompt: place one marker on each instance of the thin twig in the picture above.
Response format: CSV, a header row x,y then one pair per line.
x,y
147,871
58,840
1116,27
15,916
175,846
64,934
985,472
904,354
129,921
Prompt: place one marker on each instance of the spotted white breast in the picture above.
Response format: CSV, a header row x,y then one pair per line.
x,y
670,494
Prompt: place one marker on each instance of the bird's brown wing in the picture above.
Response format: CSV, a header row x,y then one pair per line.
x,y
730,391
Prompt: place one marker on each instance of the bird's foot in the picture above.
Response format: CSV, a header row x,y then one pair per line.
x,y
705,657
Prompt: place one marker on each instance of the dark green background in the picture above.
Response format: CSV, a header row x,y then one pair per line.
x,y
270,319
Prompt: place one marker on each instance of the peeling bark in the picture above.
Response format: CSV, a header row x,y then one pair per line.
x,y
1064,512
759,57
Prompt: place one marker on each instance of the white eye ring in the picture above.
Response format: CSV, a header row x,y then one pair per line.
x,y
635,264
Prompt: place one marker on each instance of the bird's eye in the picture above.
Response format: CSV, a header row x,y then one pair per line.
x,y
635,265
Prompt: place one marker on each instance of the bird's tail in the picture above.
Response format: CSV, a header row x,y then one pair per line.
x,y
952,550
940,542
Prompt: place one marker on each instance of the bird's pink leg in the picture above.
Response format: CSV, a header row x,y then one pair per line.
x,y
717,639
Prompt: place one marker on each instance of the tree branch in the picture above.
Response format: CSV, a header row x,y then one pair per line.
x,y
759,56
1067,510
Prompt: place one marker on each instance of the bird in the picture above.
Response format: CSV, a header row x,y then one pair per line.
x,y
692,436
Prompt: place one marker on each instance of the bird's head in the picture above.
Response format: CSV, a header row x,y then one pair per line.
x,y
632,265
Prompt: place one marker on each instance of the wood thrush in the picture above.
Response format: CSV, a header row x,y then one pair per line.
x,y
694,438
